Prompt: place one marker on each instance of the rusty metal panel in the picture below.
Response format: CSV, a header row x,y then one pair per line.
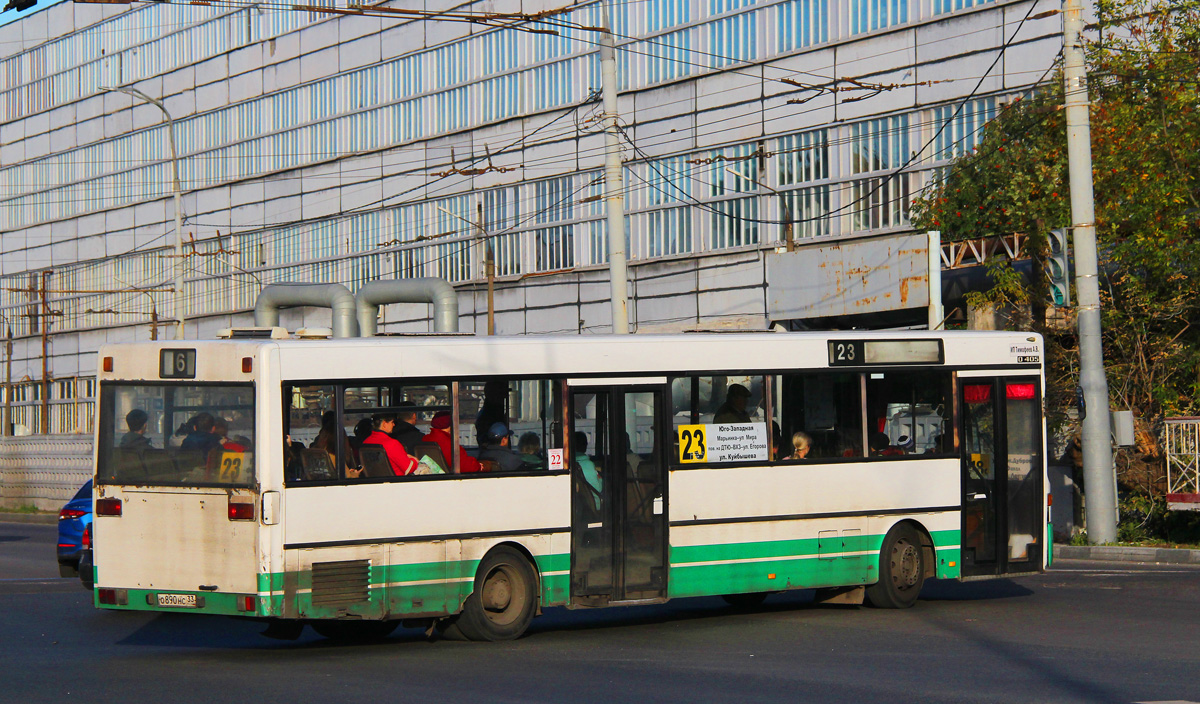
x,y
849,278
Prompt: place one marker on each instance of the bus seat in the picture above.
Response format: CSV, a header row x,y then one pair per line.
x,y
315,465
159,465
433,452
375,461
127,465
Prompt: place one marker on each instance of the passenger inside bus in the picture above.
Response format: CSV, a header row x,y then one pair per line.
x,y
327,441
439,432
136,438
801,444
200,436
529,449
401,462
587,468
734,408
406,430
497,448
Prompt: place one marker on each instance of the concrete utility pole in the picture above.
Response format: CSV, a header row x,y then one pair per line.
x,y
934,257
1099,479
177,304
614,197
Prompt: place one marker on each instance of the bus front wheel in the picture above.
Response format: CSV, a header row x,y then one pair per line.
x,y
504,600
901,570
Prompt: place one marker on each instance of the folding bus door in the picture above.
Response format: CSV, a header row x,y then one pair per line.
x,y
1003,470
619,517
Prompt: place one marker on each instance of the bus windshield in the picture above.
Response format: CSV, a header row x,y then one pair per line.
x,y
171,434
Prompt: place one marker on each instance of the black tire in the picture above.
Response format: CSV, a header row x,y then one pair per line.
x,y
504,600
745,601
901,570
354,631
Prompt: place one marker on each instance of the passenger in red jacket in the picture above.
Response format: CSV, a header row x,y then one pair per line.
x,y
382,424
440,433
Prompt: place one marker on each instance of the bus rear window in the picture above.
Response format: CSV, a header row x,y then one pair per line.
x,y
176,435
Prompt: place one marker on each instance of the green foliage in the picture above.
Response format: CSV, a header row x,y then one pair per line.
x,y
1143,65
1145,519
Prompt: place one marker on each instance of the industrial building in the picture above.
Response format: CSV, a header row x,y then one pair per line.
x,y
315,144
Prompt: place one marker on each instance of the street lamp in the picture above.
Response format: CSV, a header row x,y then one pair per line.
x,y
178,268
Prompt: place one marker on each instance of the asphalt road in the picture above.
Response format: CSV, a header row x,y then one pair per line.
x,y
1083,632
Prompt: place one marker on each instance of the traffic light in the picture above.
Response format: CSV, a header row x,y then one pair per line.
x,y
1058,267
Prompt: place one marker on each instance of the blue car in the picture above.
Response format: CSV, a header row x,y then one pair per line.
x,y
72,520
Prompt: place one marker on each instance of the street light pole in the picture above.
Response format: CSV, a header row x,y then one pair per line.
x,y
614,190
177,302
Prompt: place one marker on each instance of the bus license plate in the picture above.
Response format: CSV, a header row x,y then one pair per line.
x,y
185,601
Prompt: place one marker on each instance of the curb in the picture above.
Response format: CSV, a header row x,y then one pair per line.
x,y
43,518
1118,553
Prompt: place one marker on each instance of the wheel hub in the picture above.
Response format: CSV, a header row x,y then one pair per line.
x,y
497,592
906,564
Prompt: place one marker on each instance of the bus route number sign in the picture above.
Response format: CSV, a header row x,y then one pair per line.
x,y
693,445
177,364
847,353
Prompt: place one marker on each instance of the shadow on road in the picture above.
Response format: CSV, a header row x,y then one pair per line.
x,y
223,632
950,590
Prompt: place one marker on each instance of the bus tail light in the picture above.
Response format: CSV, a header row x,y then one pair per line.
x,y
108,364
108,507
112,597
247,602
241,508
247,365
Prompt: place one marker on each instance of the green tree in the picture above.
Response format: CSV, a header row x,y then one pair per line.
x,y
1143,64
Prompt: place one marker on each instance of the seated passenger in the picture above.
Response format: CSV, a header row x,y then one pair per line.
x,y
327,440
496,449
406,430
382,424
221,430
136,438
801,444
529,448
881,446
734,408
200,436
439,432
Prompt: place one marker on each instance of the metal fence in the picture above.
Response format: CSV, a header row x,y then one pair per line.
x,y
43,471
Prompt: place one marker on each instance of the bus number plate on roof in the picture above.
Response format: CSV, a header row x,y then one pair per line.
x,y
177,364
860,353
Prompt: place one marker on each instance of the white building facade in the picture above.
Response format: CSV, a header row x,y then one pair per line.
x,y
324,147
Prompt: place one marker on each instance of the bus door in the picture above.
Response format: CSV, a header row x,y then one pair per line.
x,y
1003,514
618,506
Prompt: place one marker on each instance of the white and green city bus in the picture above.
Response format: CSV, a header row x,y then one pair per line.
x,y
652,467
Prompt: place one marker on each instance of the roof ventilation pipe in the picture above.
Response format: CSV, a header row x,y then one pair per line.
x,y
335,296
429,289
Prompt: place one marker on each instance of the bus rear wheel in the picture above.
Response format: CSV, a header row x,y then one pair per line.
x,y
901,570
504,600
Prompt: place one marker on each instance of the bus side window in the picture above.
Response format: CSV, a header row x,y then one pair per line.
x,y
827,407
522,411
908,413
